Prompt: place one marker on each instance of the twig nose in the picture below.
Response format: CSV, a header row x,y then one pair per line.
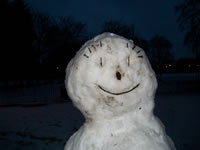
x,y
118,75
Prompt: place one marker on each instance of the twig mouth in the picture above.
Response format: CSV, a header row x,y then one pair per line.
x,y
120,93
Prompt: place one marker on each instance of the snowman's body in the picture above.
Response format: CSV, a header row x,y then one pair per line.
x,y
112,83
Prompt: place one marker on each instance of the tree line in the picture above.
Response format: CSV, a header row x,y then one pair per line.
x,y
34,45
37,46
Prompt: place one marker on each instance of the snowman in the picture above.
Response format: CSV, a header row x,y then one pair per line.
x,y
111,82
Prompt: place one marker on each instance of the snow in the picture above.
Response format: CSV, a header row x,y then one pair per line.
x,y
111,82
40,127
45,93
180,112
183,82
48,127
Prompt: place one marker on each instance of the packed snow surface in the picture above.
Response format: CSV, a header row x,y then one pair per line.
x,y
111,82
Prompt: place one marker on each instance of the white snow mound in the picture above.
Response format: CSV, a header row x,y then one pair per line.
x,y
110,80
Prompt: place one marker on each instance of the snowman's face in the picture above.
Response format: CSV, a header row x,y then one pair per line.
x,y
116,69
110,72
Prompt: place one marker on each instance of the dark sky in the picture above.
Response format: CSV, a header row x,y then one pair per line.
x,y
150,17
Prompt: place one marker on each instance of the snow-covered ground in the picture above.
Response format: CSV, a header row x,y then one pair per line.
x,y
180,115
47,127
45,93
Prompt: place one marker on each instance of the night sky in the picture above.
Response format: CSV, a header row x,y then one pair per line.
x,y
150,17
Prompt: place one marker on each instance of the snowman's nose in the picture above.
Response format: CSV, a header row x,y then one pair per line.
x,y
118,75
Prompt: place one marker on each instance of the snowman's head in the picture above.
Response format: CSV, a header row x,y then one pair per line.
x,y
110,76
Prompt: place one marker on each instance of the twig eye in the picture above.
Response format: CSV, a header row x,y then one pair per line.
x,y
101,62
128,60
101,44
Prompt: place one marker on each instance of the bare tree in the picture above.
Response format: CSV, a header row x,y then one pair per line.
x,y
189,22
117,27
16,58
64,39
160,52
71,28
41,25
128,31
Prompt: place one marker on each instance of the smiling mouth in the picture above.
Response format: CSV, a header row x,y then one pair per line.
x,y
120,93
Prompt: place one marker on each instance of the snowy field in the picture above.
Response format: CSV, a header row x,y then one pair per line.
x,y
48,126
